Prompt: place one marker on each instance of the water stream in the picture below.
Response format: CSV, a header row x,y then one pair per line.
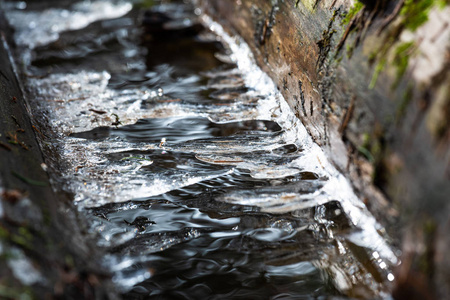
x,y
192,169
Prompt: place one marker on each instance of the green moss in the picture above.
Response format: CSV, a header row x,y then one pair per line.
x,y
372,56
7,292
401,60
309,4
69,261
364,148
406,100
4,234
415,12
366,153
25,233
29,180
376,149
350,49
21,241
378,68
23,238
425,262
352,13
144,4
441,4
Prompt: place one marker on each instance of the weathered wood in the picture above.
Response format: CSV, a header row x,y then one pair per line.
x,y
371,85
34,220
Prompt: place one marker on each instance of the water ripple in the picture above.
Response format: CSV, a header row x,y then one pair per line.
x,y
195,173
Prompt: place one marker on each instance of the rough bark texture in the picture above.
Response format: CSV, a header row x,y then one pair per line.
x,y
371,84
44,253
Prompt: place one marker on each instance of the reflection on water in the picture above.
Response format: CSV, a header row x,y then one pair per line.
x,y
194,172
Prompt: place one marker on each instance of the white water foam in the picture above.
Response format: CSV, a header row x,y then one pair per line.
x,y
44,27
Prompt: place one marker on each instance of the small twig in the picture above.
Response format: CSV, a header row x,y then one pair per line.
x,y
76,99
391,17
315,4
228,161
29,75
332,4
29,180
14,140
163,142
320,162
22,144
5,146
439,33
349,28
15,120
347,116
117,122
38,131
169,100
369,22
100,112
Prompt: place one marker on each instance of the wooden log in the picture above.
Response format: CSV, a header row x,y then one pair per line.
x,y
45,250
370,82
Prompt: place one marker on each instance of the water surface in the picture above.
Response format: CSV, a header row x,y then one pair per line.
x,y
193,171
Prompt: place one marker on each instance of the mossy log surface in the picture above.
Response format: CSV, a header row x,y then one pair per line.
x,y
45,251
370,81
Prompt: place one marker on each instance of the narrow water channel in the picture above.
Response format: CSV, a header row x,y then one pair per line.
x,y
191,168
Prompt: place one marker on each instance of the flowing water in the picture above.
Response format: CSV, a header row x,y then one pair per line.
x,y
191,168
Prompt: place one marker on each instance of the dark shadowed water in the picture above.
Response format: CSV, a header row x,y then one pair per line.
x,y
193,171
